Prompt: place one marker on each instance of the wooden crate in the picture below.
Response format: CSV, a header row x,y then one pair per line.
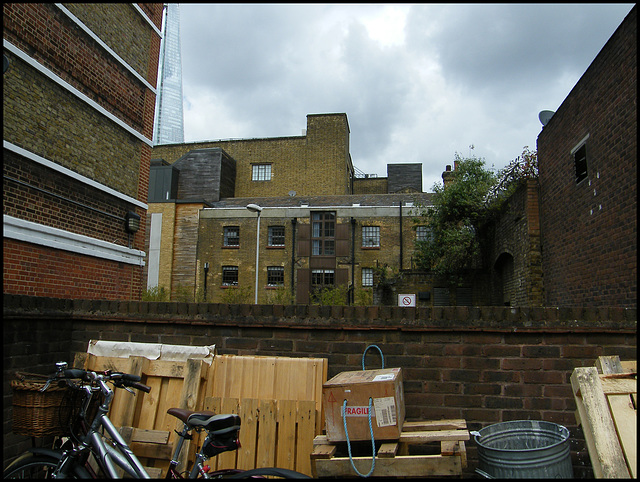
x,y
442,440
606,399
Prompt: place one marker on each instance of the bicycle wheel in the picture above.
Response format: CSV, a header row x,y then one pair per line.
x,y
263,472
31,466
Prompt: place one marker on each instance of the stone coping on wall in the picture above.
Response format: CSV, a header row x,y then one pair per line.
x,y
482,318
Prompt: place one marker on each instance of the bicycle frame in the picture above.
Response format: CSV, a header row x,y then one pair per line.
x,y
110,456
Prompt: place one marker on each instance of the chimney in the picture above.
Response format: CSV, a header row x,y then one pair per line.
x,y
447,175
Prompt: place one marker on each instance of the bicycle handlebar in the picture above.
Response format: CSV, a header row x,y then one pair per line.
x,y
119,379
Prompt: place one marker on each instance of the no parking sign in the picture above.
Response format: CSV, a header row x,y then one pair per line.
x,y
407,300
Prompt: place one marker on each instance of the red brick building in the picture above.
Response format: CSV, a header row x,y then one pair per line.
x,y
588,158
78,106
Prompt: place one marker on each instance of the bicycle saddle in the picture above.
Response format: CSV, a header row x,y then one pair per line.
x,y
216,424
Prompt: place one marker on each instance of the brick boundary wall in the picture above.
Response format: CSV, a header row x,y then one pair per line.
x,y
485,364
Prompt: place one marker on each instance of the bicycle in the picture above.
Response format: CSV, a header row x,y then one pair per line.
x,y
87,441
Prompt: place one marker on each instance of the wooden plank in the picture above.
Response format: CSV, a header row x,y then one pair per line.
x,y
165,369
249,408
421,426
213,404
409,466
462,452
228,460
285,456
150,436
305,430
149,405
608,364
448,447
618,386
323,451
605,451
629,366
150,450
195,370
266,451
388,450
123,407
625,419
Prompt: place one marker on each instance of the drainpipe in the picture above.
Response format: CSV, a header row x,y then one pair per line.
x,y
353,258
294,221
400,236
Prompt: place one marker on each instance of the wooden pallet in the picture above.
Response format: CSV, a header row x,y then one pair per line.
x,y
402,458
606,399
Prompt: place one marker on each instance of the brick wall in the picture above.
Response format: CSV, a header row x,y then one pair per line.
x,y
35,270
484,365
589,229
516,233
314,164
49,120
370,185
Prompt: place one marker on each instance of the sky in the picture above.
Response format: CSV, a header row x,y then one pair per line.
x,y
419,83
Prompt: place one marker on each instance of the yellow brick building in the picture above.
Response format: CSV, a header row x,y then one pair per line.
x,y
321,226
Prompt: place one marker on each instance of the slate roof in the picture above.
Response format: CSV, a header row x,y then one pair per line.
x,y
323,201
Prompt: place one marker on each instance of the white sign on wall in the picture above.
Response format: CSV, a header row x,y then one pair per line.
x,y
407,300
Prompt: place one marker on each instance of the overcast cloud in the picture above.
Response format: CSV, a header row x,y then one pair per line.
x,y
418,82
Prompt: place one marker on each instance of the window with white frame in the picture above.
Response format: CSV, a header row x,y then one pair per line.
x,y
261,172
231,236
229,276
367,276
276,235
370,236
275,276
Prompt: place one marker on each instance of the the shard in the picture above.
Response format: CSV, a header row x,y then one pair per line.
x,y
169,125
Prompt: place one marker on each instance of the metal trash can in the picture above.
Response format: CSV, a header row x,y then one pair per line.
x,y
524,449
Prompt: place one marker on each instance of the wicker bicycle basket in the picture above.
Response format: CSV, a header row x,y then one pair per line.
x,y
51,412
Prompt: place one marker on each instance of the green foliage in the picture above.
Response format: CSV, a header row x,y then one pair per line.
x,y
184,294
157,293
461,208
330,296
280,296
386,276
510,177
363,297
237,295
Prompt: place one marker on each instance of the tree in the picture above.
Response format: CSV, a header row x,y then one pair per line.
x,y
458,211
474,197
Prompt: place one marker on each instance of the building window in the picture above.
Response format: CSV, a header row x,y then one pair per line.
x,y
367,276
323,231
261,172
424,233
229,276
580,162
321,278
275,276
232,236
276,235
370,236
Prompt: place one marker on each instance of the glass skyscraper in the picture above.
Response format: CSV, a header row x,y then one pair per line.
x,y
169,125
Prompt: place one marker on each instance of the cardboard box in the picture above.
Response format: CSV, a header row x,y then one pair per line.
x,y
384,386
